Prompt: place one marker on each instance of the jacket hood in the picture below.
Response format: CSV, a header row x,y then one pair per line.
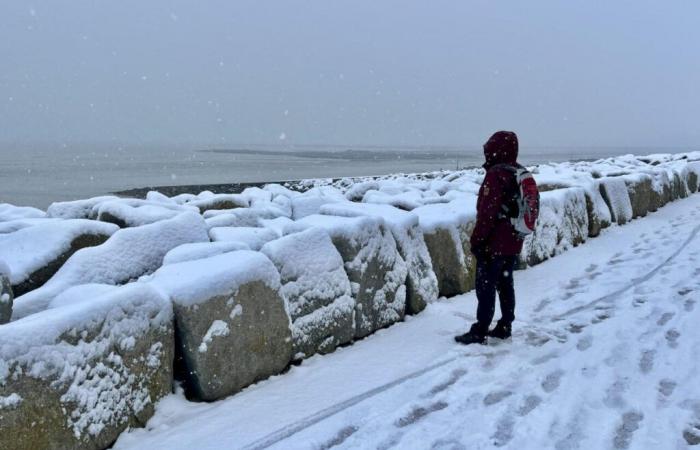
x,y
501,148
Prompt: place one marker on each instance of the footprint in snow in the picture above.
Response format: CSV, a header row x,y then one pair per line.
x,y
646,361
692,433
529,404
341,436
454,377
638,301
504,431
672,336
665,318
614,394
496,397
551,382
689,305
624,433
584,343
575,328
666,388
591,268
601,317
419,413
447,444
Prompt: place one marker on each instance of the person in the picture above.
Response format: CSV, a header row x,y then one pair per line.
x,y
495,242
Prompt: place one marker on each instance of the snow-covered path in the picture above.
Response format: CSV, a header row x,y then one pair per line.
x,y
604,355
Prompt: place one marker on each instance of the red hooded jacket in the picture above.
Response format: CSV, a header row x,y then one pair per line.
x,y
493,234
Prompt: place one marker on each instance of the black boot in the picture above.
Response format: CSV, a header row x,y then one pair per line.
x,y
500,331
475,335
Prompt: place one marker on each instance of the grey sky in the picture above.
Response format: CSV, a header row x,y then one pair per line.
x,y
350,72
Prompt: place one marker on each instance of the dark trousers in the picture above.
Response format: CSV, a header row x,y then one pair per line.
x,y
495,274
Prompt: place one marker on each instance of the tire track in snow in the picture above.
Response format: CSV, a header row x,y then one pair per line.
x,y
295,427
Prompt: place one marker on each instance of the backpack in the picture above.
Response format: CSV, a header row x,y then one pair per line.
x,y
527,199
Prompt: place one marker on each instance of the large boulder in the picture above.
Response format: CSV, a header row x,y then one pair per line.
x,y
134,213
127,255
232,326
317,290
12,212
6,297
692,176
77,376
253,237
661,190
562,224
599,216
220,201
421,283
77,209
201,250
639,189
616,196
446,231
373,264
678,187
35,253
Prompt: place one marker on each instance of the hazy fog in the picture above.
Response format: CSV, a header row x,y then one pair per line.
x,y
221,73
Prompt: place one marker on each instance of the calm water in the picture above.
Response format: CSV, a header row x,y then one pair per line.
x,y
39,176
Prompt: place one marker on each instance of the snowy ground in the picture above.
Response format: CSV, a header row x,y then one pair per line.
x,y
605,355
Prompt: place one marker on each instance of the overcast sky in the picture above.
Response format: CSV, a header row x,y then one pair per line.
x,y
222,73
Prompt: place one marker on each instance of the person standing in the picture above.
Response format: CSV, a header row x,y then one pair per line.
x,y
496,241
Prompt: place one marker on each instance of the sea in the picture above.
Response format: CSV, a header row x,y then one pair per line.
x,y
38,175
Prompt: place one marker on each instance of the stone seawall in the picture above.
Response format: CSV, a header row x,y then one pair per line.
x,y
219,291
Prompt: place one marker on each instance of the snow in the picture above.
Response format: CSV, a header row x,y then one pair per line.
x,y
12,212
77,209
217,328
134,213
253,237
446,215
10,401
128,254
603,356
29,249
191,282
201,250
242,217
81,293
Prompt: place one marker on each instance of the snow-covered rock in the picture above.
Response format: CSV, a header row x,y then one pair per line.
x,y
639,189
599,216
310,202
242,217
77,209
134,212
127,255
693,176
316,288
615,194
12,212
201,250
253,237
6,297
562,224
220,201
232,324
446,230
34,254
373,264
81,374
421,283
